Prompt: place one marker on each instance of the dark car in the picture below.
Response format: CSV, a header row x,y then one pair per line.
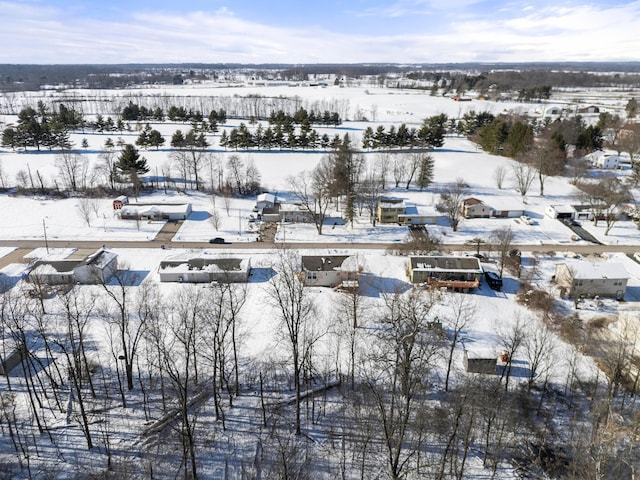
x,y
217,240
493,280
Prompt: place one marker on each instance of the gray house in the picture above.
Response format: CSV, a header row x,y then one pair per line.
x,y
458,273
204,268
329,270
94,269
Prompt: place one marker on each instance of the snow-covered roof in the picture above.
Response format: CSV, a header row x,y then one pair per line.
x,y
266,197
326,263
582,270
446,264
204,262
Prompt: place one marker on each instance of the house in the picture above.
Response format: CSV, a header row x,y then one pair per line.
x,y
330,270
589,109
294,213
506,207
415,216
388,210
475,208
140,211
560,212
458,273
604,160
270,214
96,268
119,202
204,268
587,279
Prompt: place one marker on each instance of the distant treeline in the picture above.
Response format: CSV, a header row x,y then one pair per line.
x,y
504,76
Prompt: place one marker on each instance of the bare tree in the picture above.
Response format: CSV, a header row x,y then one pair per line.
x,y
314,194
214,219
451,200
294,307
129,326
72,169
523,176
605,197
85,209
499,175
106,168
512,337
461,314
503,238
399,169
369,192
397,364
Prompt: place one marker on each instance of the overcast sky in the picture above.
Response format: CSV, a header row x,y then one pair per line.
x,y
317,31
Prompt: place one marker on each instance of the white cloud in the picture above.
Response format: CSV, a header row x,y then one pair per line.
x,y
519,33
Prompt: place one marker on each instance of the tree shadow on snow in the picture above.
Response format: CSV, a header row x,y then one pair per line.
x,y
199,216
128,278
262,274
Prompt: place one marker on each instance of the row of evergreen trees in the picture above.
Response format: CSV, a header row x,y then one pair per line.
x,y
40,128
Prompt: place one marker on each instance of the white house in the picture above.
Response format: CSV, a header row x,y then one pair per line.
x,y
581,278
204,268
604,160
329,270
139,211
294,213
94,269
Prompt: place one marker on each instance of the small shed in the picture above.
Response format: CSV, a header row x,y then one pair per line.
x,y
11,357
480,362
119,202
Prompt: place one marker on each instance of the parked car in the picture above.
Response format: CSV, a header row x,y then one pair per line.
x,y
526,220
217,240
493,280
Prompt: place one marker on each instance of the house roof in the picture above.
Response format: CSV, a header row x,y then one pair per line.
x,y
204,262
99,259
326,263
266,197
446,264
144,209
582,270
472,201
563,208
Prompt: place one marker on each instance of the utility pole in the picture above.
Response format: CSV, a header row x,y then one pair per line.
x,y
46,242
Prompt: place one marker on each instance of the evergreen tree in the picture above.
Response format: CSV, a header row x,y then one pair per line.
x,y
130,163
425,172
